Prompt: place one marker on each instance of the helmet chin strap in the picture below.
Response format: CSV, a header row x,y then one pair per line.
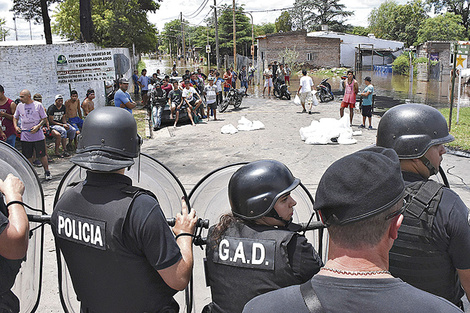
x,y
430,167
273,214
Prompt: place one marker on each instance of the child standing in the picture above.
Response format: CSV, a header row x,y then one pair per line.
x,y
211,95
367,102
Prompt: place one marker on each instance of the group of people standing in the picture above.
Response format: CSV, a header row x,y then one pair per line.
x,y
29,119
275,72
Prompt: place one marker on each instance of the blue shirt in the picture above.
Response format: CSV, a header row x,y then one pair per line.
x,y
144,80
121,97
135,78
368,100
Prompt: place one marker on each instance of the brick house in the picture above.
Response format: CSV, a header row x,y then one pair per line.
x,y
313,51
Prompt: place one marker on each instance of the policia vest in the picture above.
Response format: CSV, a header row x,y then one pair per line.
x,y
107,277
414,257
247,261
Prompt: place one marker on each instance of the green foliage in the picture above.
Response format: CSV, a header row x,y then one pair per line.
x,y
421,60
171,37
118,23
359,30
310,14
264,29
243,30
446,27
283,22
458,7
398,22
3,30
401,65
290,57
460,130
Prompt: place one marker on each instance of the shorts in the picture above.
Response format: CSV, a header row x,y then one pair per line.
x,y
348,105
143,92
65,133
76,123
367,110
305,97
212,106
226,89
244,84
27,147
268,82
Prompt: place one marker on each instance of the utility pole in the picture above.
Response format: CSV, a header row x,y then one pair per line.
x,y
86,23
182,37
234,39
16,31
216,36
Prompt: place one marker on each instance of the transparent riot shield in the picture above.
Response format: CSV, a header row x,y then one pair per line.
x,y
27,285
146,173
209,198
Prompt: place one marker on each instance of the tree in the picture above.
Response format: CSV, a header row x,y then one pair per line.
x,y
311,14
458,7
283,23
36,10
265,29
172,36
359,30
243,25
118,23
3,31
445,27
398,22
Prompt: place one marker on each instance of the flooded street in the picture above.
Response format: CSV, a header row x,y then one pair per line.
x,y
435,93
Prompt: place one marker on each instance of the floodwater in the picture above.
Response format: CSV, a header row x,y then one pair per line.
x,y
433,92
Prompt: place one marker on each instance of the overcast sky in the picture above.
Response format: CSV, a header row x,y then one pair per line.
x,y
170,9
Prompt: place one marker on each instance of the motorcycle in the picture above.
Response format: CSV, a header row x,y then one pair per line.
x,y
324,91
234,97
280,89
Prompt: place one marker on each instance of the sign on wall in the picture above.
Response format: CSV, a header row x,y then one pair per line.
x,y
85,66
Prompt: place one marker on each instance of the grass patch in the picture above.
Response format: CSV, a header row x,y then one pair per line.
x,y
142,124
460,131
140,66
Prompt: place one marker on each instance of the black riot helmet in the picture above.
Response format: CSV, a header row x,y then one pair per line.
x,y
108,141
411,129
255,187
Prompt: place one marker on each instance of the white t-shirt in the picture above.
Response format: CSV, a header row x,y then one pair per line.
x,y
306,82
211,93
268,73
189,93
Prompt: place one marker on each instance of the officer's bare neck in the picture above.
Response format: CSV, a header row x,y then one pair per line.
x,y
120,171
415,166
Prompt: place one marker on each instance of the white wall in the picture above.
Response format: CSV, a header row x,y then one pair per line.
x,y
33,67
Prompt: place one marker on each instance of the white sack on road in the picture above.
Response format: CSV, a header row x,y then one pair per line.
x,y
322,132
229,129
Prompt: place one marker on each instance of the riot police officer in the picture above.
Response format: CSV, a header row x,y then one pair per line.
x,y
252,251
120,252
432,251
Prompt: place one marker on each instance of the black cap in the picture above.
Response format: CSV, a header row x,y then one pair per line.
x,y
359,186
367,79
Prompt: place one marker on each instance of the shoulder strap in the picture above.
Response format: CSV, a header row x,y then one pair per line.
x,y
310,298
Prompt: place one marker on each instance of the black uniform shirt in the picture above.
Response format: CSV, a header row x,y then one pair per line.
x,y
451,229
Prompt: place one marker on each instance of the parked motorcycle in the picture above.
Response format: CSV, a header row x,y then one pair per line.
x,y
234,97
324,91
280,89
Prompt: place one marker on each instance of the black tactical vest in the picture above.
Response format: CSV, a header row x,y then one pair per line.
x,y
88,225
248,261
414,257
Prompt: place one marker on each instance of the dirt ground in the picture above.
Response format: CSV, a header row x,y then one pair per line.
x,y
191,152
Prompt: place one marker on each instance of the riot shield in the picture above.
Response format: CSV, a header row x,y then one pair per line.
x,y
209,198
27,285
146,173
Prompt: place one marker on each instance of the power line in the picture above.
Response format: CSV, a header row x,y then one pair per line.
x,y
270,10
198,10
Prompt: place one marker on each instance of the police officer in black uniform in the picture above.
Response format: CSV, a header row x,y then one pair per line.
x,y
252,250
14,230
432,251
120,252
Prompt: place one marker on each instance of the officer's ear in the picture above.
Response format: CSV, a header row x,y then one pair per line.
x,y
394,226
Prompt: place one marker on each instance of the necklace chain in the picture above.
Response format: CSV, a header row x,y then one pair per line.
x,y
356,273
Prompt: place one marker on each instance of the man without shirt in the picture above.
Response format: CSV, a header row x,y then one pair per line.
x,y
57,119
74,113
362,227
88,105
